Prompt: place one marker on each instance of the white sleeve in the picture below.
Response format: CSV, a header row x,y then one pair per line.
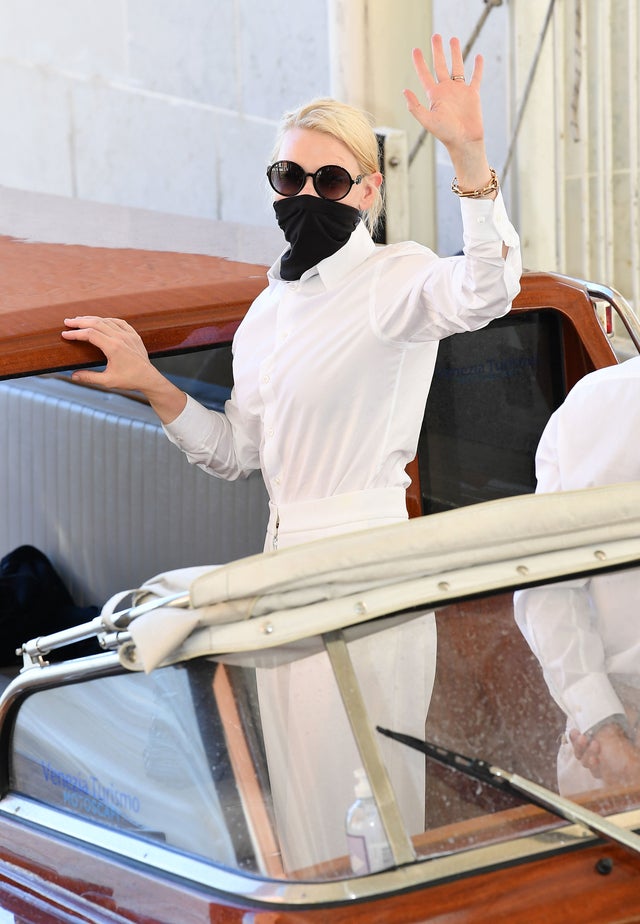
x,y
425,297
560,625
589,440
559,621
223,445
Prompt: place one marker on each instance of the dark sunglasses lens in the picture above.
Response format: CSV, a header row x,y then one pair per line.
x,y
333,182
286,177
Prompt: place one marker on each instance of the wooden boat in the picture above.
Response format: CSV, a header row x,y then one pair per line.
x,y
135,784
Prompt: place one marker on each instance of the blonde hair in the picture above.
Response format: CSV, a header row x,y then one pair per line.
x,y
353,127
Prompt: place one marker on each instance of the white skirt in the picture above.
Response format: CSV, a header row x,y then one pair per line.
x,y
311,754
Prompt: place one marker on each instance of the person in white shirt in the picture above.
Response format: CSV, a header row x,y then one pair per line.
x,y
333,362
585,632
332,368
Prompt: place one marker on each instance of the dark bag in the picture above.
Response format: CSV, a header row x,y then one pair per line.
x,y
34,602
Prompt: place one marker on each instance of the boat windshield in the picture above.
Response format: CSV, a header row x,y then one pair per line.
x,y
265,762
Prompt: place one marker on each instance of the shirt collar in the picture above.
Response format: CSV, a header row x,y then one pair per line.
x,y
333,269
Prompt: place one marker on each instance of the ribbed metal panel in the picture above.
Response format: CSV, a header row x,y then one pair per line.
x,y
91,480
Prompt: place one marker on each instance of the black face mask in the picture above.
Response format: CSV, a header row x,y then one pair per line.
x,y
315,229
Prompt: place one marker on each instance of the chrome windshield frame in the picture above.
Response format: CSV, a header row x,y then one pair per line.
x,y
282,894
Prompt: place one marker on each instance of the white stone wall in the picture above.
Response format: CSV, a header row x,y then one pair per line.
x,y
171,105
162,104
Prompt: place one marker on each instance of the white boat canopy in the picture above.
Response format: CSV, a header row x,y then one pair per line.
x,y
276,598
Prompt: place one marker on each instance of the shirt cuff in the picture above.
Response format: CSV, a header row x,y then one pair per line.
x,y
487,220
194,418
591,700
617,719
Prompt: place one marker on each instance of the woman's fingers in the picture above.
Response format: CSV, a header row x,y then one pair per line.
x,y
424,74
457,64
440,67
87,333
476,76
441,70
127,360
83,322
102,331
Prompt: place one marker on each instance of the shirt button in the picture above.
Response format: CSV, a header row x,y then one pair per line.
x,y
270,431
266,379
276,480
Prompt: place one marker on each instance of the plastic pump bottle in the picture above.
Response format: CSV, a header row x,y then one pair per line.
x,y
366,839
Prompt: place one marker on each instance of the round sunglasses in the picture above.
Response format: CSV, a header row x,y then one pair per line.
x,y
330,182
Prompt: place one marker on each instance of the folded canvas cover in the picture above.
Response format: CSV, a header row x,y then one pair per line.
x,y
275,598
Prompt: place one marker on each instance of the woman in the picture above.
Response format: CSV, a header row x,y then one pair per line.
x,y
332,367
332,370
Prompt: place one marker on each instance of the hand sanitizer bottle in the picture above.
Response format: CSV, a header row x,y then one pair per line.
x,y
366,839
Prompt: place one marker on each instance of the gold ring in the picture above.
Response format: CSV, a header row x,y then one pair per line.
x,y
458,77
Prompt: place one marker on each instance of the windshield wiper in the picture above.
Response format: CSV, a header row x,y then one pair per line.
x,y
504,780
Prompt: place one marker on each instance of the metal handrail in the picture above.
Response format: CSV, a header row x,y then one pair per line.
x,y
619,304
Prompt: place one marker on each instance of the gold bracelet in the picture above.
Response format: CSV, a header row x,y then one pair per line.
x,y
492,186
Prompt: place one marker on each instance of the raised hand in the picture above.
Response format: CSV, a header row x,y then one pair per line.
x,y
454,112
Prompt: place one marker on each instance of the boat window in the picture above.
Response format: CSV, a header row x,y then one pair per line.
x,y
206,374
138,753
251,761
492,393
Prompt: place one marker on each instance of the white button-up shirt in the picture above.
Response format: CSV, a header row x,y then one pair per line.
x,y
332,372
586,634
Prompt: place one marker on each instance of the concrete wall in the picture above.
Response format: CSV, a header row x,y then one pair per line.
x,y
171,105
162,104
